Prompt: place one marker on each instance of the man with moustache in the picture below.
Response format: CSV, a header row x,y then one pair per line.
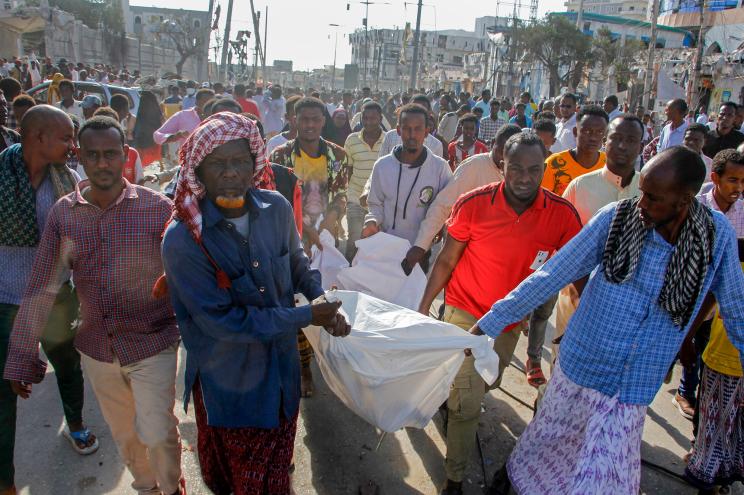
x,y
33,176
650,262
588,193
498,234
233,262
128,339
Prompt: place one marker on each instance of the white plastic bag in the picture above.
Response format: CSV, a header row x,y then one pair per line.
x,y
329,261
376,271
396,367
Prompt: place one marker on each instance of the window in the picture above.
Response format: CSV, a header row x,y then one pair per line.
x,y
137,20
457,60
440,57
197,24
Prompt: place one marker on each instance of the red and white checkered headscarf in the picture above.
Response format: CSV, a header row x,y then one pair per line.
x,y
213,132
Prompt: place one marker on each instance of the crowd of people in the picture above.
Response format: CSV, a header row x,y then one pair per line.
x,y
633,235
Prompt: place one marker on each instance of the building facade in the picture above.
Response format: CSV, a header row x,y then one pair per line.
x,y
384,56
630,9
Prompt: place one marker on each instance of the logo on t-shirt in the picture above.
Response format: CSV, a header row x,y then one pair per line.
x,y
426,195
540,259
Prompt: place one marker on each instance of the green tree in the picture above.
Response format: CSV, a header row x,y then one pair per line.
x,y
561,48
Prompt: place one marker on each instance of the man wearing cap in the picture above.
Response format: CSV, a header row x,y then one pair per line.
x,y
90,104
189,101
233,262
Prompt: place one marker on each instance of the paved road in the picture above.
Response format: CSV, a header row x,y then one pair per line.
x,y
336,451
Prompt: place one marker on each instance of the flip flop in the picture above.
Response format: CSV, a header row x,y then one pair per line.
x,y
81,436
535,376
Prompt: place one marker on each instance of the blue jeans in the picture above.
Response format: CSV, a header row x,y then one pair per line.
x,y
690,380
538,323
355,219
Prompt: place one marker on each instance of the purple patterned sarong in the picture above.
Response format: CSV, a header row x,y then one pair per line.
x,y
581,441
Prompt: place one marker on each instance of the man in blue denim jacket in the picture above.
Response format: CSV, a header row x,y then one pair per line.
x,y
233,262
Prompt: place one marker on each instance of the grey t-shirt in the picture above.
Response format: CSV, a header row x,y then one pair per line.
x,y
241,224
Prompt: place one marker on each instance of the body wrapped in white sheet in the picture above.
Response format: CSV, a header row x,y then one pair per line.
x,y
396,367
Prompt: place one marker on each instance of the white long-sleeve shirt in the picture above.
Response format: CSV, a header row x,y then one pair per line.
x,y
273,113
474,172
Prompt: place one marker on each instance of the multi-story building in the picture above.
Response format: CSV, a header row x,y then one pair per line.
x,y
384,56
724,20
629,9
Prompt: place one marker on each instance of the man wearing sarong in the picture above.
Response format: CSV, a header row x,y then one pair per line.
x,y
233,262
717,455
651,260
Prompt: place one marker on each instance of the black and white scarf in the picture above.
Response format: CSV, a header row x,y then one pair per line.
x,y
686,270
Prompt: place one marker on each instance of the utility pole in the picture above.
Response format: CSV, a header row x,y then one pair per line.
x,y
580,16
694,93
416,36
512,40
257,32
335,49
648,80
226,41
266,36
203,67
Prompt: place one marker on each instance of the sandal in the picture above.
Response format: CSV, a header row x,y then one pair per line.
x,y
78,438
535,376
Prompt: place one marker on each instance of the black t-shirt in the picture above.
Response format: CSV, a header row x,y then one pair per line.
x,y
715,142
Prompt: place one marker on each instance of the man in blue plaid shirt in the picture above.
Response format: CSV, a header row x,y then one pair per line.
x,y
491,123
649,263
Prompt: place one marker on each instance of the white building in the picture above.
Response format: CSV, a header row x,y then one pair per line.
x,y
630,9
442,54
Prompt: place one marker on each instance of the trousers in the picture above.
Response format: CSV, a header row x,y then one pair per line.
x,y
466,395
57,340
137,402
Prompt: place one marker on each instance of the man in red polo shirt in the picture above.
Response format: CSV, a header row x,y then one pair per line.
x,y
498,235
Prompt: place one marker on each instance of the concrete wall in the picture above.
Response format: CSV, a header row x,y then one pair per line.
x,y
68,38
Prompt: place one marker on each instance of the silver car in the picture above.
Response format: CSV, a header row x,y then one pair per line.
x,y
103,91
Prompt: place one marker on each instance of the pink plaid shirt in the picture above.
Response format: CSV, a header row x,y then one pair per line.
x,y
115,258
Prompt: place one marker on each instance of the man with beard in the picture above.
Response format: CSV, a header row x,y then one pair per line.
x,y
588,193
233,262
650,262
36,169
127,340
404,184
497,236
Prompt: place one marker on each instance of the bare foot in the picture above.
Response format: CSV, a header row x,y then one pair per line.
x,y
306,382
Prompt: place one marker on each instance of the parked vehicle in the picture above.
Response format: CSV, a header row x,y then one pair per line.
x,y
103,91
